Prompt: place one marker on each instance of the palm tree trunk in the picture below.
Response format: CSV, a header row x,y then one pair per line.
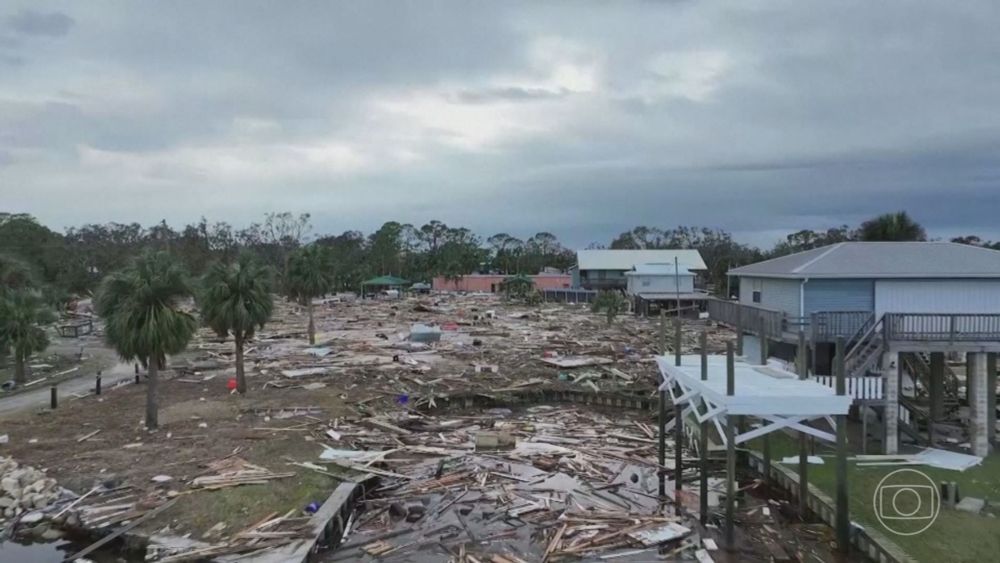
x,y
241,380
20,375
312,325
152,421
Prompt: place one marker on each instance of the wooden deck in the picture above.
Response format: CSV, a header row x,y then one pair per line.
x,y
903,330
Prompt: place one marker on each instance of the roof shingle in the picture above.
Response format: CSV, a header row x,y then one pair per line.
x,y
881,260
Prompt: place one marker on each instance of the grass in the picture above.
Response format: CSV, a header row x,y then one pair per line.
x,y
955,536
240,507
243,506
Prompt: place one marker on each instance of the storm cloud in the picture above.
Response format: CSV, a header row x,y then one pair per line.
x,y
583,119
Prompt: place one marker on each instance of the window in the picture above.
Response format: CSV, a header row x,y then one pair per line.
x,y
756,296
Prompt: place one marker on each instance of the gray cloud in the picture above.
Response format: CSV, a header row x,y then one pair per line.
x,y
30,22
519,117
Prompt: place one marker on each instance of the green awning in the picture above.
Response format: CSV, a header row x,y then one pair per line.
x,y
386,281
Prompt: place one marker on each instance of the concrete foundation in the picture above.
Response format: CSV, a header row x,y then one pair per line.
x,y
979,417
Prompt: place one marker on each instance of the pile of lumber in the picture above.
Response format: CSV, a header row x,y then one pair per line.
x,y
235,471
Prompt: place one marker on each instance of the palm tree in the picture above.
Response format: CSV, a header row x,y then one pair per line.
x,y
891,227
309,274
236,298
143,321
14,273
22,314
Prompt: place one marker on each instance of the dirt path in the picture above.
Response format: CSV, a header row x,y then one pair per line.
x,y
97,356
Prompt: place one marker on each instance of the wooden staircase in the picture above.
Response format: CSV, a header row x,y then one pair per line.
x,y
865,350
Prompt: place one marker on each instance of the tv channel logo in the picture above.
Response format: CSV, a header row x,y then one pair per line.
x,y
906,502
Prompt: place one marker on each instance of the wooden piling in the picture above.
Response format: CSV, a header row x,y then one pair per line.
x,y
843,522
730,451
803,368
662,420
703,443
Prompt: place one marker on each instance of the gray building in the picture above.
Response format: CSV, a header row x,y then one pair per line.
x,y
876,277
605,269
899,308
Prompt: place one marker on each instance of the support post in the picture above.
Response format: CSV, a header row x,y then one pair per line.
x,y
976,383
678,417
662,458
97,383
937,394
763,344
890,375
663,331
677,341
54,399
678,456
730,451
843,527
662,434
703,442
803,439
991,397
739,329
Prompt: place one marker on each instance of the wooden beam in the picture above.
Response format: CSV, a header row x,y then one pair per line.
x,y
730,453
703,442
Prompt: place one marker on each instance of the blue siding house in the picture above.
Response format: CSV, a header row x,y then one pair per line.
x,y
898,308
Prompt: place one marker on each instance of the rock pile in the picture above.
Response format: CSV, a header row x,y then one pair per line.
x,y
24,488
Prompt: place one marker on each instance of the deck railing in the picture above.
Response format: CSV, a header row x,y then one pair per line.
x,y
827,326
861,388
749,318
934,327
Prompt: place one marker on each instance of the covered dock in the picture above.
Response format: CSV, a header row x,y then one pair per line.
x,y
724,391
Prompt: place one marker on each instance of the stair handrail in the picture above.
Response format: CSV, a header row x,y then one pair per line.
x,y
873,326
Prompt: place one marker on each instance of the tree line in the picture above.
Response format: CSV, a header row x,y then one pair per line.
x,y
75,261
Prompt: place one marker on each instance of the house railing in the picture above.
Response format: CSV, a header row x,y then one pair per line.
x,y
748,318
827,326
935,327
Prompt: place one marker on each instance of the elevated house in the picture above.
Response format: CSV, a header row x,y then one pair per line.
x,y
666,287
898,308
606,269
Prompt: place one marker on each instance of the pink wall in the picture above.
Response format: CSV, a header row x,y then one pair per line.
x,y
488,283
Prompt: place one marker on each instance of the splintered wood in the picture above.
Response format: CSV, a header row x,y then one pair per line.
x,y
573,485
235,471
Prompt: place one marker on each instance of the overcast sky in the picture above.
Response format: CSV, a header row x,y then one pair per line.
x,y
579,118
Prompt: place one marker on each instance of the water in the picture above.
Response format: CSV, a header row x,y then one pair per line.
x,y
51,552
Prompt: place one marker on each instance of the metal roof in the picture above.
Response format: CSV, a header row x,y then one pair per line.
x,y
659,270
881,260
627,259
